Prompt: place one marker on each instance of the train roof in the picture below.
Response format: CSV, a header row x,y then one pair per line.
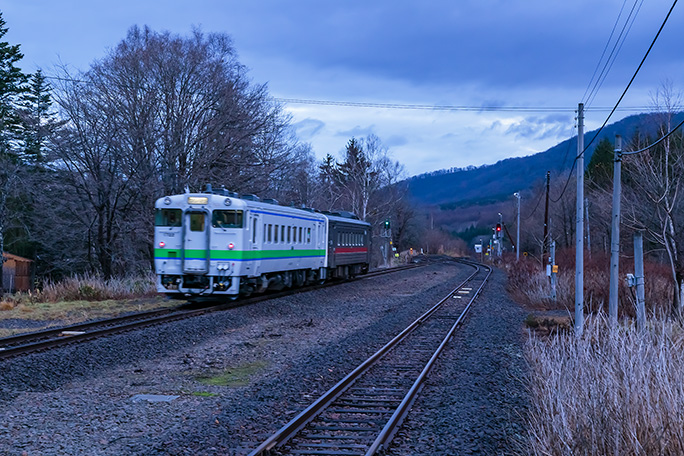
x,y
216,201
224,199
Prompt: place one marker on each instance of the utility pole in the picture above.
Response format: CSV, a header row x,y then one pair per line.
x,y
639,279
615,233
586,217
579,228
554,274
546,216
499,235
517,229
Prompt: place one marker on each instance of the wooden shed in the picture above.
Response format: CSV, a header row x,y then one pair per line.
x,y
16,273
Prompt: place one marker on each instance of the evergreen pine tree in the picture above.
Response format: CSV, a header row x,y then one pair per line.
x,y
12,82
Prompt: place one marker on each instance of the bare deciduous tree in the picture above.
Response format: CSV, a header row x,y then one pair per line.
x,y
653,185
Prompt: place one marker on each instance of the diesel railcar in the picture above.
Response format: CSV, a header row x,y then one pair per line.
x,y
214,244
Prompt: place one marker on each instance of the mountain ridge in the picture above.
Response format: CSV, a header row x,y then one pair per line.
x,y
479,184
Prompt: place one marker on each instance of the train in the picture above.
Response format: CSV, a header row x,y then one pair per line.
x,y
217,244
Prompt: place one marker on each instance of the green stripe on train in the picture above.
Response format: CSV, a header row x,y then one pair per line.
x,y
241,254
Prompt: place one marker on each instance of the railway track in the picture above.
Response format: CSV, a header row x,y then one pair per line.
x,y
362,412
55,337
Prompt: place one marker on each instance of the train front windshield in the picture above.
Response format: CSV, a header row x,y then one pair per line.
x,y
168,217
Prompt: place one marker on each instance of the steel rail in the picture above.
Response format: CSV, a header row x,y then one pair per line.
x,y
289,430
56,337
397,418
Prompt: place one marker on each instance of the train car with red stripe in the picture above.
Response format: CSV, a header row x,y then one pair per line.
x,y
348,245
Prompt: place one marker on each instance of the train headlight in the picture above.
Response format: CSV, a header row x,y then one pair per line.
x,y
167,200
231,246
162,244
227,202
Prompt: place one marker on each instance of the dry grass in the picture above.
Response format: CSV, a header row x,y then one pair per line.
x,y
611,392
529,285
78,299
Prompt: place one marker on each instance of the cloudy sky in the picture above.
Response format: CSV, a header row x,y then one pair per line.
x,y
483,60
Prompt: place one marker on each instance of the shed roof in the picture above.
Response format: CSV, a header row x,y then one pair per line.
x,y
10,256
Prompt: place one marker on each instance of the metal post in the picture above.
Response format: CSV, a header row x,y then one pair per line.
x,y
615,233
639,276
579,228
517,229
546,216
499,236
554,277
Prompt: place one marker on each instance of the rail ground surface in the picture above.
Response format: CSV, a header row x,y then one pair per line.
x,y
56,337
362,412
228,379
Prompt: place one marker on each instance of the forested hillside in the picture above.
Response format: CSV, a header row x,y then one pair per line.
x,y
497,182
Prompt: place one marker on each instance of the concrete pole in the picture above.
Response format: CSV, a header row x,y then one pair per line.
x,y
554,277
586,218
615,234
517,234
639,273
579,227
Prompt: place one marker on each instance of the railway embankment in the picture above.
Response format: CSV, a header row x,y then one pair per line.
x,y
220,383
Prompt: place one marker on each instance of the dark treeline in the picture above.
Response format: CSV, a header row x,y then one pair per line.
x,y
84,156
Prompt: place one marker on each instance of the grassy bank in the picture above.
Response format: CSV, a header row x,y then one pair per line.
x,y
75,300
610,392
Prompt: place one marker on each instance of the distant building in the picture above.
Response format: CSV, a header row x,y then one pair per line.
x,y
16,273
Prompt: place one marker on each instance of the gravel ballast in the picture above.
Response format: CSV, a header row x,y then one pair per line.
x,y
222,383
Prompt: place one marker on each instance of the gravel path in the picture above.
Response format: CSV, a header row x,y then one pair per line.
x,y
224,382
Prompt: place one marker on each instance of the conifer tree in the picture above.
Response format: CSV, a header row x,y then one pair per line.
x,y
12,82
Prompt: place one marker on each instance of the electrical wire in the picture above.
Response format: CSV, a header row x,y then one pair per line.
x,y
541,193
605,48
400,106
612,57
618,102
631,80
655,143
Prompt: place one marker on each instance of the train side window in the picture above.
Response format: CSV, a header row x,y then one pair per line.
x,y
270,229
300,234
254,227
226,219
265,233
289,234
275,235
167,217
308,235
282,233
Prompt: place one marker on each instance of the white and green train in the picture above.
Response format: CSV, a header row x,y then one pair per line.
x,y
214,244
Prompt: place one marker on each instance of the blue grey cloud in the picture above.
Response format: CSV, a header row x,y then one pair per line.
x,y
357,132
308,128
541,128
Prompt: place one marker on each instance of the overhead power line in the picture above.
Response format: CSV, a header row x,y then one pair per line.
x,y
617,46
631,80
466,108
657,142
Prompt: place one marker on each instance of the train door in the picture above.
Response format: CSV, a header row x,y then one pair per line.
x,y
257,234
196,243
